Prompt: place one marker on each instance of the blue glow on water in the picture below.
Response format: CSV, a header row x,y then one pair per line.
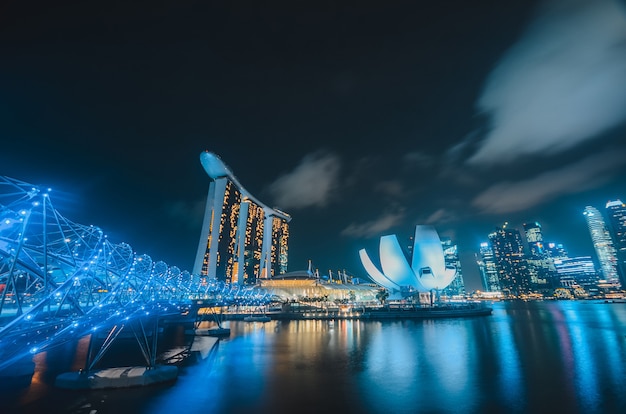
x,y
525,358
581,361
613,345
390,367
509,372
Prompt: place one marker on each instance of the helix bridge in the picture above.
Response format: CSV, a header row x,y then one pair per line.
x,y
61,281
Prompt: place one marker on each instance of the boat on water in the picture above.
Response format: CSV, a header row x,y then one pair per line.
x,y
257,318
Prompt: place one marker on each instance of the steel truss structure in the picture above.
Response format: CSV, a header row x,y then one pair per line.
x,y
60,281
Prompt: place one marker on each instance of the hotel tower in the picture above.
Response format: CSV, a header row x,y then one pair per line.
x,y
242,239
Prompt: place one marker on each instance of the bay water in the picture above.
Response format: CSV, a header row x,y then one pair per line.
x,y
527,357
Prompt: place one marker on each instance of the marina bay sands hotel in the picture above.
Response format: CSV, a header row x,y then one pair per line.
x,y
242,239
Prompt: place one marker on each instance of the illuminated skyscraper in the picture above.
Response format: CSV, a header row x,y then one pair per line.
x,y
242,239
451,256
577,271
556,251
540,265
616,214
508,250
534,237
601,239
487,267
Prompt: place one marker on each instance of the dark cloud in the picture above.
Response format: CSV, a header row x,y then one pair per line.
x,y
440,216
560,85
312,183
393,188
375,227
509,197
418,159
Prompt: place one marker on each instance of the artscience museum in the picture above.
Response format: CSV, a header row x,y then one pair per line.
x,y
421,271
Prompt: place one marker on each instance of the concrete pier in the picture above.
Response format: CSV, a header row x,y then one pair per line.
x,y
217,332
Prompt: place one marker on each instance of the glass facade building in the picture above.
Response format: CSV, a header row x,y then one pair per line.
x,y
534,237
616,215
556,251
487,267
242,239
602,243
451,256
511,264
540,265
577,271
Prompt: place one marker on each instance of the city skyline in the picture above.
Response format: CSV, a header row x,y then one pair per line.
x,y
359,120
506,263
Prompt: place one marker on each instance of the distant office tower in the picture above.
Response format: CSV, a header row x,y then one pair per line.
x,y
242,239
487,267
616,214
607,255
577,271
556,251
451,256
508,250
534,237
540,265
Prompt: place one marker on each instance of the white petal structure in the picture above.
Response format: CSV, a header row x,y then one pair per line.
x,y
428,268
376,274
428,262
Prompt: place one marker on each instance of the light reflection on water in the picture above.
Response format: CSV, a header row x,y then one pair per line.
x,y
527,357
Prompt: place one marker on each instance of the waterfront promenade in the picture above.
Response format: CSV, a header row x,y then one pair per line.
x,y
387,311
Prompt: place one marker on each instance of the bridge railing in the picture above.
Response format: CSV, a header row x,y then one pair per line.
x,y
61,280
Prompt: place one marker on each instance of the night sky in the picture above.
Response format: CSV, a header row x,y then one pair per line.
x,y
359,118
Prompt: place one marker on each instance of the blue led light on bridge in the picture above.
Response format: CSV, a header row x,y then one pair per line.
x,y
55,279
